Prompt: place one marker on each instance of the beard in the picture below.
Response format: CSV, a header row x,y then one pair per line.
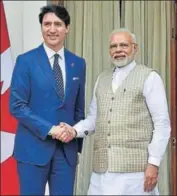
x,y
124,62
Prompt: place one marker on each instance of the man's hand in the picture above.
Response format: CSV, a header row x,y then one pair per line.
x,y
150,177
63,132
56,131
71,133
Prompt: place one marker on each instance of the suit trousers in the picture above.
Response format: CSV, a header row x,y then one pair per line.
x,y
58,173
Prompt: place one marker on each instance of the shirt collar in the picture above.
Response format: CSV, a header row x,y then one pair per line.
x,y
50,52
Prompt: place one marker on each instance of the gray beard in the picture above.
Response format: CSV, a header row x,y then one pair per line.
x,y
122,63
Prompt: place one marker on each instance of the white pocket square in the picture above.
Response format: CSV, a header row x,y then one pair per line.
x,y
75,78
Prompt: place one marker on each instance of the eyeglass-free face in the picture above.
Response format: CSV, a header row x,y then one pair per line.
x,y
54,31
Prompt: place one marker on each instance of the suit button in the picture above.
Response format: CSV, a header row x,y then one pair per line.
x,y
109,122
109,146
110,110
86,132
112,98
109,134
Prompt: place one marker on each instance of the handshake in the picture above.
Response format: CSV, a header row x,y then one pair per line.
x,y
63,132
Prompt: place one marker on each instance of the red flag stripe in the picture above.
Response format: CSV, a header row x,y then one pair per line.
x,y
5,43
9,178
8,123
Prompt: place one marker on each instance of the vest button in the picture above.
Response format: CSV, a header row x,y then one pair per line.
x,y
112,98
109,146
110,110
109,134
109,122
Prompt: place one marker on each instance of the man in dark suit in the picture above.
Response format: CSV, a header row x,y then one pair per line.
x,y
48,87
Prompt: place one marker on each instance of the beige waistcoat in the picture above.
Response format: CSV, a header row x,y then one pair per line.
x,y
124,125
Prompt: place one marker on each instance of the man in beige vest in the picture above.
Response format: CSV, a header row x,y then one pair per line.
x,y
130,117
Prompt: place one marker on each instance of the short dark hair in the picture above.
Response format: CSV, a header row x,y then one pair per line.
x,y
59,11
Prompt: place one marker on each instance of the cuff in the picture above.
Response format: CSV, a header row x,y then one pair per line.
x,y
50,132
154,161
79,131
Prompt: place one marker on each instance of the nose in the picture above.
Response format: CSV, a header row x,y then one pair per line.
x,y
52,28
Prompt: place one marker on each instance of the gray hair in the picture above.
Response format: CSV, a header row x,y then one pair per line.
x,y
123,30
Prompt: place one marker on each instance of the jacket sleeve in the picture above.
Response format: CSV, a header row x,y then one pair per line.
x,y
80,99
19,101
80,103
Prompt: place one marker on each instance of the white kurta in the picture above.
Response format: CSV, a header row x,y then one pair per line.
x,y
132,183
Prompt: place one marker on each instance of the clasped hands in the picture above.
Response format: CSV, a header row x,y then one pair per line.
x,y
63,132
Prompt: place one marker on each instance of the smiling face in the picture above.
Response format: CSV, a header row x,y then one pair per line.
x,y
54,31
122,49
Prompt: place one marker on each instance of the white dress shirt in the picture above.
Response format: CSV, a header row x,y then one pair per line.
x,y
155,97
50,54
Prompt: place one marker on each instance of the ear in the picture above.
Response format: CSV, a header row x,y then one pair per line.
x,y
67,28
135,48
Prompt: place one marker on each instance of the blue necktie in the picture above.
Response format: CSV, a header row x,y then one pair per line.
x,y
58,77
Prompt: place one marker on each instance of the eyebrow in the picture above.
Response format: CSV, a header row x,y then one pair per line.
x,y
55,22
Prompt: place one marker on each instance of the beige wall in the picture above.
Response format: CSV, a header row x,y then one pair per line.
x,y
23,25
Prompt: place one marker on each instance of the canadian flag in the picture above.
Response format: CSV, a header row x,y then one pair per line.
x,y
9,179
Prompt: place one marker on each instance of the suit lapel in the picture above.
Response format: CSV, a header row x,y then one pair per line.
x,y
45,66
69,66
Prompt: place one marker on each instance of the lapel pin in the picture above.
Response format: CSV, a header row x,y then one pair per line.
x,y
72,64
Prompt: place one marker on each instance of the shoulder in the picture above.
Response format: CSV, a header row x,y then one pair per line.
x,y
144,71
154,77
29,54
151,75
73,56
145,68
25,60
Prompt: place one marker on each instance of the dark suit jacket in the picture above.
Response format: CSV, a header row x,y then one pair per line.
x,y
34,102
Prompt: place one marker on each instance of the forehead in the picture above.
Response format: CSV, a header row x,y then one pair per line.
x,y
51,17
121,37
